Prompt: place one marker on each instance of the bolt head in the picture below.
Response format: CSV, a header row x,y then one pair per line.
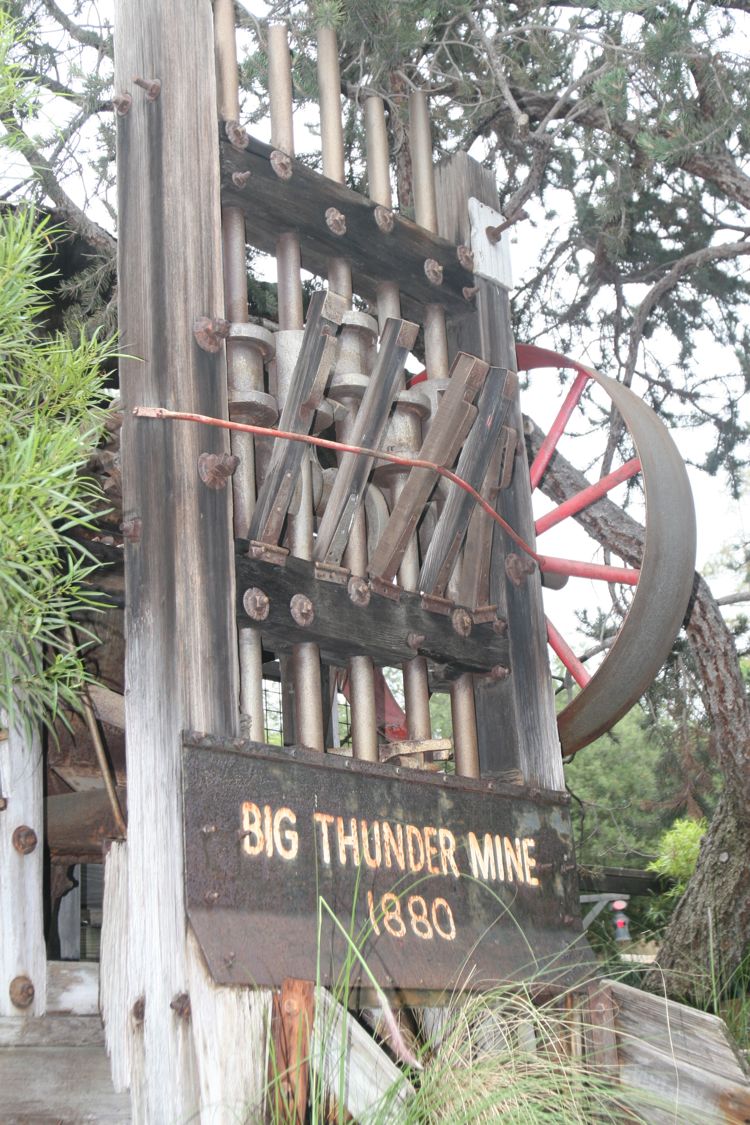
x,y
139,1009
281,163
462,622
24,839
3,804
433,271
256,603
21,992
414,640
336,222
210,332
302,610
358,590
385,219
215,469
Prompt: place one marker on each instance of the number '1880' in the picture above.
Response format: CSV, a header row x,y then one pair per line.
x,y
426,920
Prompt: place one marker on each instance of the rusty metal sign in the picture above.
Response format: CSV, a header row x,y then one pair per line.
x,y
295,860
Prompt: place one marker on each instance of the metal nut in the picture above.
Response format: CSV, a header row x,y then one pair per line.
x,y
210,897
461,621
518,569
3,804
385,219
239,179
236,135
336,222
21,992
358,590
215,469
499,672
281,163
470,292
433,271
152,86
210,332
122,104
465,257
24,839
256,603
302,610
414,640
180,1005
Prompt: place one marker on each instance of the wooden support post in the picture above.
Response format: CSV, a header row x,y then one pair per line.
x,y
23,967
293,1017
181,659
599,1033
515,717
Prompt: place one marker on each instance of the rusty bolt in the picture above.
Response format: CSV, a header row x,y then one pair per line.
x,y
24,839
433,271
336,222
499,672
518,568
122,104
215,469
3,804
461,620
302,609
500,626
414,640
236,135
210,897
291,1006
139,1009
21,992
180,1005
257,603
131,529
208,829
358,590
385,219
210,332
465,257
239,179
281,163
470,292
152,86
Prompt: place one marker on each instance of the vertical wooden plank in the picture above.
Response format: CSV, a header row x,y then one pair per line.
x,y
293,1016
181,638
600,1036
22,951
515,717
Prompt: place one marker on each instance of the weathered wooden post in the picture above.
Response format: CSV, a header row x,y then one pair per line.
x,y
181,663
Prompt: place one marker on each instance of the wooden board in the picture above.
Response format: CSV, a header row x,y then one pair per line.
x,y
274,206
59,1085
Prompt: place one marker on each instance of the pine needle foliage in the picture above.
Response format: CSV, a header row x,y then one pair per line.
x,y
51,418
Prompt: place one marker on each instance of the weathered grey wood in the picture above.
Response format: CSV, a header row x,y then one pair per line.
x,y
450,425
599,1029
69,919
181,662
685,1034
366,430
22,951
60,1085
51,1031
298,205
352,1069
73,988
515,717
492,408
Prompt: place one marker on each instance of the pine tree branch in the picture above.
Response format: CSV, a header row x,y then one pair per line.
x,y
82,35
734,599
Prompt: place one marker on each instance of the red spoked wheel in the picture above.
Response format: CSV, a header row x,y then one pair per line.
x,y
664,581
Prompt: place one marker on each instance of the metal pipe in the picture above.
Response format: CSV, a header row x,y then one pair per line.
x,y
565,653
556,430
364,728
238,360
308,698
588,495
463,712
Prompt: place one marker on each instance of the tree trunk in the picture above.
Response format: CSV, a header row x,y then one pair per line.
x,y
711,925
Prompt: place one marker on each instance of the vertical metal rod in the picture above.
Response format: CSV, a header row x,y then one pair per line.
x,y
463,712
416,685
235,295
308,699
360,668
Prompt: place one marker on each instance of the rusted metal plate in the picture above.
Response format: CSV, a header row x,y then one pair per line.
x,y
439,881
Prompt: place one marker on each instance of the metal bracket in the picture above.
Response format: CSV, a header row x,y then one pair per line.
x,y
491,259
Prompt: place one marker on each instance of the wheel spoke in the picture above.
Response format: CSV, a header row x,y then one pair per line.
x,y
565,653
588,495
627,575
547,448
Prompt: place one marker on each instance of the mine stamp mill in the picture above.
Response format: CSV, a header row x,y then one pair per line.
x,y
292,501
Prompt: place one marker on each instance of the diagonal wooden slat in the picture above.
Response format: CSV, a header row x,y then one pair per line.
x,y
308,381
451,424
349,487
494,403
